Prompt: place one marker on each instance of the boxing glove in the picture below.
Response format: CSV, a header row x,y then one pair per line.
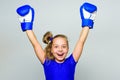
x,y
88,13
26,17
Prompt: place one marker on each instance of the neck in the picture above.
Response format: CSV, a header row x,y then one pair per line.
x,y
59,61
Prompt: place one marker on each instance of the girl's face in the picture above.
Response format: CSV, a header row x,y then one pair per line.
x,y
59,49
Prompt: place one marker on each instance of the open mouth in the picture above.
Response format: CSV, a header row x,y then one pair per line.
x,y
60,57
60,54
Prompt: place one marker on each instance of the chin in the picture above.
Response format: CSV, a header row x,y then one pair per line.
x,y
60,58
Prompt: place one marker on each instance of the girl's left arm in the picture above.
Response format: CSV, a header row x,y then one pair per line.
x,y
88,12
80,43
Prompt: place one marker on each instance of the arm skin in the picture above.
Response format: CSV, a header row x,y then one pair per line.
x,y
37,47
80,43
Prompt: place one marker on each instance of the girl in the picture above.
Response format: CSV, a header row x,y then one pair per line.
x,y
53,57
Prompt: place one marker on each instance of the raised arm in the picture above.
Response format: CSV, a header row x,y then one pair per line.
x,y
80,43
88,13
26,17
36,45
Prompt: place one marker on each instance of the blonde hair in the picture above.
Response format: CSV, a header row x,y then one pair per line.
x,y
48,39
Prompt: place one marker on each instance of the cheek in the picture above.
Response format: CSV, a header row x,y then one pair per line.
x,y
67,50
53,50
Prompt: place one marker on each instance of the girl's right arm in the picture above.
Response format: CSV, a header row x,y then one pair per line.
x,y
37,47
26,17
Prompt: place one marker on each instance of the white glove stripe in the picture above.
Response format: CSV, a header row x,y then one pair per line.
x,y
27,18
88,15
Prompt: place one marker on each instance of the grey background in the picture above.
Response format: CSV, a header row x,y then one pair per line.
x,y
101,56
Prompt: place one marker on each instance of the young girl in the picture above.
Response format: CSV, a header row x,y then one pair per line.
x,y
53,57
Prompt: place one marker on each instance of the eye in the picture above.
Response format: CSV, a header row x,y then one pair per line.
x,y
65,46
55,46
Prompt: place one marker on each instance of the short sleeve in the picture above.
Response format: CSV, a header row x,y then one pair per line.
x,y
71,59
46,62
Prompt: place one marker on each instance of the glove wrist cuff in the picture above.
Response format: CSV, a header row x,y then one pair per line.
x,y
26,26
87,22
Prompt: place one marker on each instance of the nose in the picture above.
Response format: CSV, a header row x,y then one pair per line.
x,y
60,49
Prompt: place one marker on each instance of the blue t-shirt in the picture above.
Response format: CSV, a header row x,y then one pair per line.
x,y
60,71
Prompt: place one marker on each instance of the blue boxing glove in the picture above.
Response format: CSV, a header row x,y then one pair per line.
x,y
88,13
26,17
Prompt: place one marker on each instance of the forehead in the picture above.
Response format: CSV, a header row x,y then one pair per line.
x,y
59,40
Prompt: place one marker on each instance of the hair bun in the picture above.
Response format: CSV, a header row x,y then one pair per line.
x,y
47,37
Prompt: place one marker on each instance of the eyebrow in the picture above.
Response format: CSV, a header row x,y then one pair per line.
x,y
57,44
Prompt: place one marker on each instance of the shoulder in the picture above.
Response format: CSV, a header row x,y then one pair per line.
x,y
47,62
71,59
